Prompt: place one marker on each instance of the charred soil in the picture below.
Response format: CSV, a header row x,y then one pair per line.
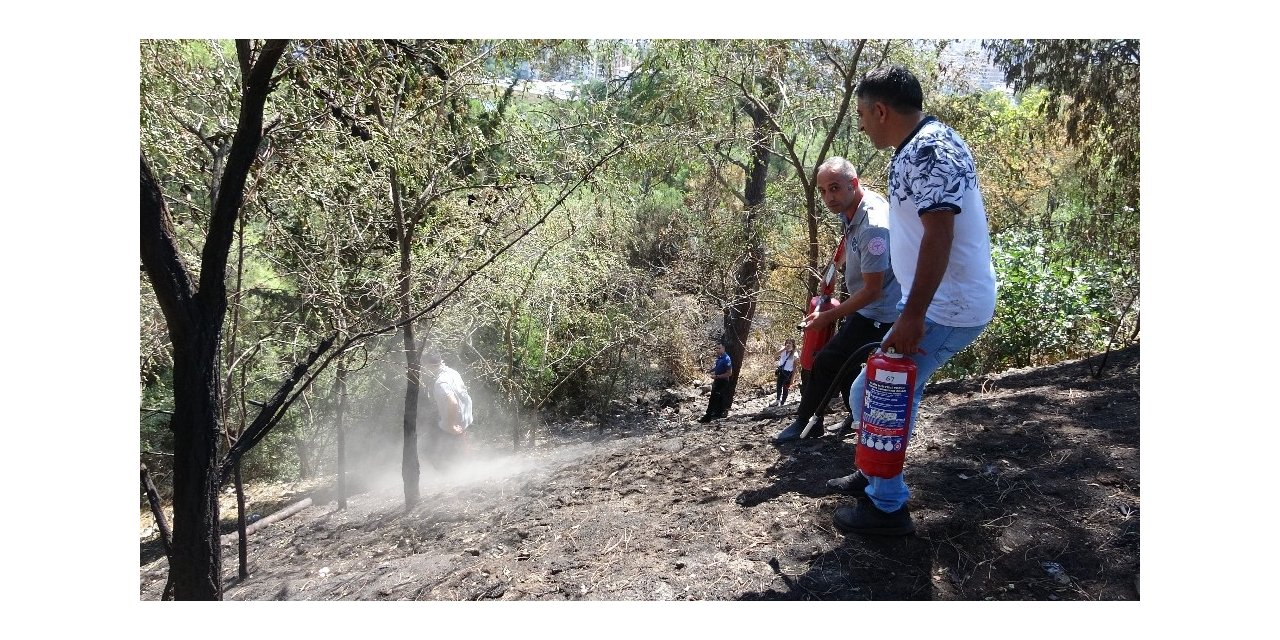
x,y
1025,486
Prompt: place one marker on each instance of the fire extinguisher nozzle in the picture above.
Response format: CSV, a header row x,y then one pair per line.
x,y
813,422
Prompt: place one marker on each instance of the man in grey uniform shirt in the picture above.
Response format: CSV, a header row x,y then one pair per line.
x,y
872,304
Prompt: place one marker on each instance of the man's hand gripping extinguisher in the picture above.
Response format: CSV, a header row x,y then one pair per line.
x,y
886,414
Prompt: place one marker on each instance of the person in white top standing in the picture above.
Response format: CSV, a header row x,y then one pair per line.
x,y
786,370
448,441
941,256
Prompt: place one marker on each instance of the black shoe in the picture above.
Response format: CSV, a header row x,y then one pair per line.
x,y
840,431
704,419
854,484
866,518
816,431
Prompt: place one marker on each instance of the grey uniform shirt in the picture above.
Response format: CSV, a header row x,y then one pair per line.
x,y
866,249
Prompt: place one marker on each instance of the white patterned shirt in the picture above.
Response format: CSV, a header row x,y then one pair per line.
x,y
933,169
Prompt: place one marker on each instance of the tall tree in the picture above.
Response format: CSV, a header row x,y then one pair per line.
x,y
195,311
405,99
740,313
826,72
797,97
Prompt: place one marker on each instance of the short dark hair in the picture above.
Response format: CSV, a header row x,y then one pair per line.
x,y
894,86
432,356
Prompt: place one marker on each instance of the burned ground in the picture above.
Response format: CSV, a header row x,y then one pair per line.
x,y
1025,486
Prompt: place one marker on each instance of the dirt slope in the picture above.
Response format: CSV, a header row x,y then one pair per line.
x,y
1025,486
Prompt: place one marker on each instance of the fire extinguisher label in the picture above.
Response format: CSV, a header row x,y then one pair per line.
x,y
891,377
881,443
885,405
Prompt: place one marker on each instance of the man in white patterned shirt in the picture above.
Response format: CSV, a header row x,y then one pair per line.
x,y
941,256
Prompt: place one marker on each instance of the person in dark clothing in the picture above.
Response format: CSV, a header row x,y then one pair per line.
x,y
720,374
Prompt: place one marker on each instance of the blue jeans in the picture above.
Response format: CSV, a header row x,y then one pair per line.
x,y
939,343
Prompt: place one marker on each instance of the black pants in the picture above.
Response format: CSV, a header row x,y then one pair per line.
x,y
856,331
784,384
444,450
715,404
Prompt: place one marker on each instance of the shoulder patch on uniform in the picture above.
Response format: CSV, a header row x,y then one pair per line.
x,y
876,246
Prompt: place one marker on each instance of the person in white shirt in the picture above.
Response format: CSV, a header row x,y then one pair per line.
x,y
786,370
448,441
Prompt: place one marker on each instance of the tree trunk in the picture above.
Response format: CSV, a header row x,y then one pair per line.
x,y
340,389
157,511
244,536
194,317
739,315
409,469
236,429
516,430
197,553
153,498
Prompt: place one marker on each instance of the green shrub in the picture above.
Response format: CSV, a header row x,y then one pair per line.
x,y
1047,309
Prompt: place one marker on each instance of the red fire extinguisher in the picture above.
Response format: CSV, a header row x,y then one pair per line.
x,y
816,339
886,414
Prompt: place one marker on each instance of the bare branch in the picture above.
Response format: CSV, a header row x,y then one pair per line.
x,y
244,148
273,410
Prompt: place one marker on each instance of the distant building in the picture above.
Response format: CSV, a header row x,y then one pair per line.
x,y
562,81
965,67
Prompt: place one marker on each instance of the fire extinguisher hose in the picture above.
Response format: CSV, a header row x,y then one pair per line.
x,y
861,353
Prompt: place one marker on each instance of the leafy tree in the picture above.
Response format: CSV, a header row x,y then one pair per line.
x,y
1093,88
1093,94
408,100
